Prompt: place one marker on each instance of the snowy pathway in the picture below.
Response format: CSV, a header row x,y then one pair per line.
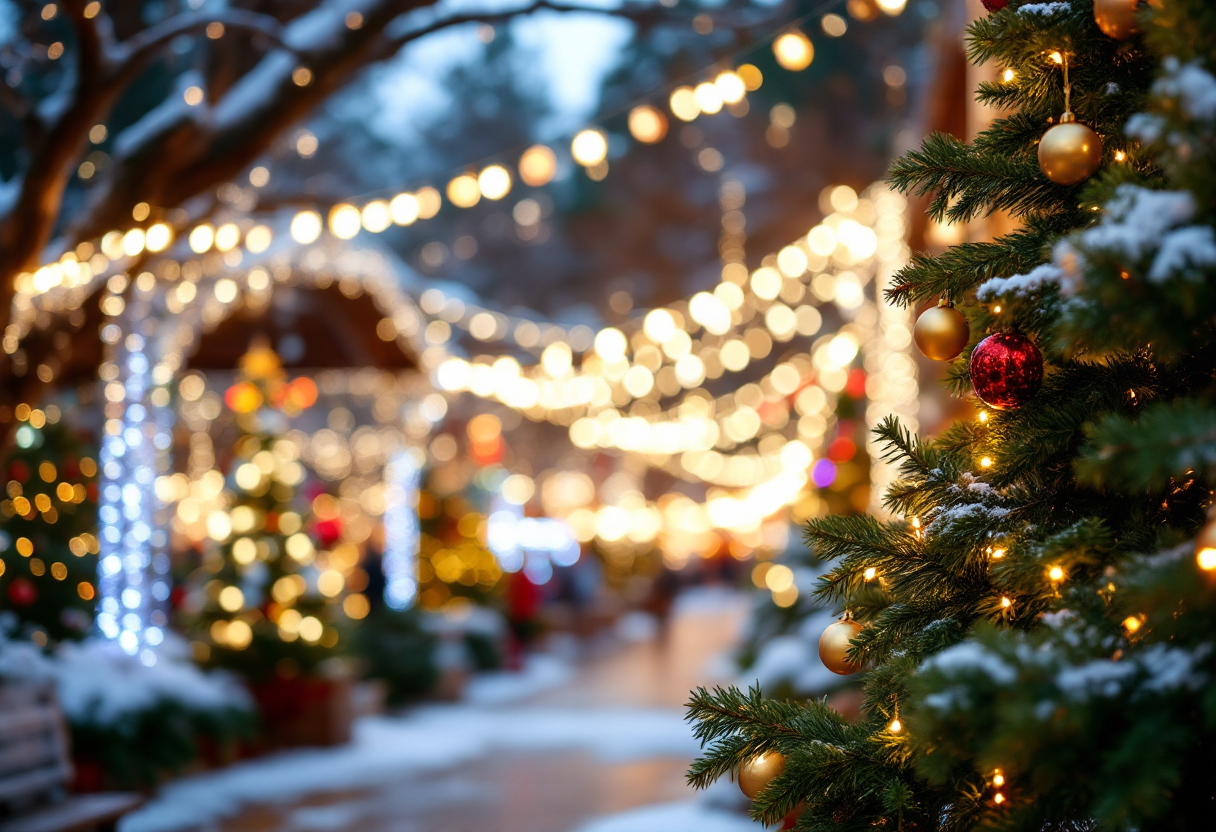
x,y
600,747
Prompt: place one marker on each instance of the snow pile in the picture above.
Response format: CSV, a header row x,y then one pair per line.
x,y
945,519
384,749
540,673
684,816
1044,9
969,656
1137,220
1019,285
100,685
1192,86
1140,223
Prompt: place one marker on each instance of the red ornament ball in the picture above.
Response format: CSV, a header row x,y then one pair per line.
x,y
994,5
22,593
329,531
1006,370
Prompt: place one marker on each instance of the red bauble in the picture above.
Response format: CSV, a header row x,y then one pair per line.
x,y
329,531
994,5
22,593
1006,370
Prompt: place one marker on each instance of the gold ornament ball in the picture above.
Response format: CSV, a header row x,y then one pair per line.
x,y
941,332
758,772
1070,152
1205,547
1117,18
834,644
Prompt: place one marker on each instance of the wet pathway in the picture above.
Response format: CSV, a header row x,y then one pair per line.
x,y
607,741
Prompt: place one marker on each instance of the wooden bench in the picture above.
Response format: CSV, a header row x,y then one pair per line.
x,y
35,770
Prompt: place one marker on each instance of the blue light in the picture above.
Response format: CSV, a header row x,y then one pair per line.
x,y
401,533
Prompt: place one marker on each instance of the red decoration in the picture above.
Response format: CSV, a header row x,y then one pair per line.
x,y
1006,370
329,530
19,471
994,5
22,593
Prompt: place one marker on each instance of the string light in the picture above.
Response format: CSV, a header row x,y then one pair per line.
x,y
1006,603
1133,623
1056,574
896,726
986,462
870,573
1206,558
998,779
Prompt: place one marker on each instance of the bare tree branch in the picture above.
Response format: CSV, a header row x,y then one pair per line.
x,y
130,57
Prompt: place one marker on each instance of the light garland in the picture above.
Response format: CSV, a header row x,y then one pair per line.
x,y
401,533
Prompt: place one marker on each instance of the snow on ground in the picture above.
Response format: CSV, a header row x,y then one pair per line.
x,y
541,672
684,816
492,720
431,738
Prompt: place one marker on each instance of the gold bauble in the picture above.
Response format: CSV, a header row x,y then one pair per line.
x,y
758,772
1070,152
1117,18
1205,546
941,332
834,644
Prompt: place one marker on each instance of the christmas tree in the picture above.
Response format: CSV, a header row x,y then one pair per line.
x,y
1035,625
48,524
266,599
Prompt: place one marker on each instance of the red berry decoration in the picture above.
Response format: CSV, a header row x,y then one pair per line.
x,y
994,5
22,593
1006,370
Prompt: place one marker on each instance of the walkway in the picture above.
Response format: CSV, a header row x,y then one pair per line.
x,y
605,751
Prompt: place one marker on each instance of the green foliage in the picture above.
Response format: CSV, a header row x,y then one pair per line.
x,y
48,524
144,746
1027,618
394,647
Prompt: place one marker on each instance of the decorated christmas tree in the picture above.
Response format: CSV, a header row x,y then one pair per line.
x,y
48,525
266,600
1034,624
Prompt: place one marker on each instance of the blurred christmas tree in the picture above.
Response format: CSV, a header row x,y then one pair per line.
x,y
1038,626
48,559
267,602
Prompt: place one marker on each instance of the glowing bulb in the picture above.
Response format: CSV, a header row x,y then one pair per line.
x,y
998,779
201,237
1132,623
589,147
646,124
1056,574
306,227
537,165
996,310
896,726
1120,156
794,51
1005,602
983,416
1207,559
494,181
1008,75
870,573
1056,58
463,191
996,554
999,798
986,462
